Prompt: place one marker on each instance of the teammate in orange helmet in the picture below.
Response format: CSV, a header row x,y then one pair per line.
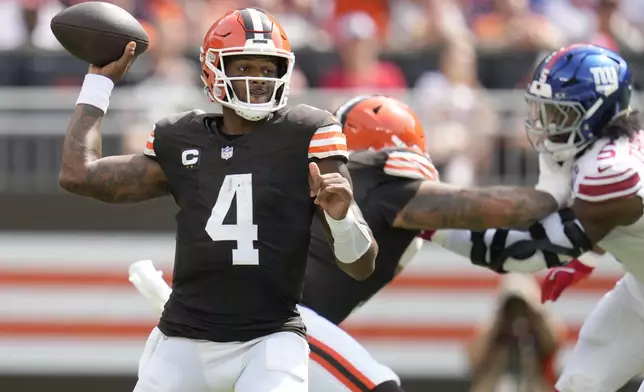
x,y
378,122
399,193
248,184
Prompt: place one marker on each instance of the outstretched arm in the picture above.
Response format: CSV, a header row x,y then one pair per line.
x,y
549,242
439,206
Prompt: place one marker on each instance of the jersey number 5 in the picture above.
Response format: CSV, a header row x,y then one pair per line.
x,y
244,232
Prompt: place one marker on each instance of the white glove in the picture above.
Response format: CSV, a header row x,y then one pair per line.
x,y
149,283
555,178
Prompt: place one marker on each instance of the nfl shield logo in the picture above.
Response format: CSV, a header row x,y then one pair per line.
x,y
226,153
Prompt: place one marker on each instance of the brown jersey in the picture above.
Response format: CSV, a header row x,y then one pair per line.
x,y
383,183
244,219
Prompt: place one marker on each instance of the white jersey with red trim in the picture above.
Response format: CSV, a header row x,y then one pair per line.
x,y
610,171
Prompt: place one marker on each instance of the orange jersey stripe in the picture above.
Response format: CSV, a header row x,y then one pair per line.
x,y
412,171
417,162
149,145
328,141
411,165
328,148
328,135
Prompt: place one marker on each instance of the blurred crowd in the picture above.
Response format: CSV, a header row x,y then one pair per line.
x,y
398,24
450,95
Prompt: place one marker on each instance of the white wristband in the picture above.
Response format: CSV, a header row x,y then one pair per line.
x,y
350,239
340,225
96,91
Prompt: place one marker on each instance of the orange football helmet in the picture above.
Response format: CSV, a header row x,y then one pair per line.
x,y
253,32
377,121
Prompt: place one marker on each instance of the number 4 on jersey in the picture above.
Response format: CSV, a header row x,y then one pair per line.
x,y
244,232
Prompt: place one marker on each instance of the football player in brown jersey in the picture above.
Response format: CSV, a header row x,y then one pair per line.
x,y
248,184
400,195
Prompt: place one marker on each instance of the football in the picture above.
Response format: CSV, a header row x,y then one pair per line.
x,y
97,32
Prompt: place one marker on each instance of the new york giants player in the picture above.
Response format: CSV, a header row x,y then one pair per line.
x,y
579,102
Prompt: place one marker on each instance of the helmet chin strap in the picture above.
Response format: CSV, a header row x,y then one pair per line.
x,y
249,113
252,115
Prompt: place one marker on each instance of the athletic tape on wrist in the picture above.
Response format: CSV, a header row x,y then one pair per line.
x,y
340,225
96,91
350,239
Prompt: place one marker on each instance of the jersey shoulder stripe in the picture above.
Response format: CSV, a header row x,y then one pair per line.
x,y
608,184
169,127
612,172
408,164
328,141
148,149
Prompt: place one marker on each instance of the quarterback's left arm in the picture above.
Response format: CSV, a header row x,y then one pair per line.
x,y
349,235
354,247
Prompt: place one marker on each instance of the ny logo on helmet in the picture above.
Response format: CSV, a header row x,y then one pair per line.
x,y
606,79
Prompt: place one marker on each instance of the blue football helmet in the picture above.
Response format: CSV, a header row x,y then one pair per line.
x,y
574,93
